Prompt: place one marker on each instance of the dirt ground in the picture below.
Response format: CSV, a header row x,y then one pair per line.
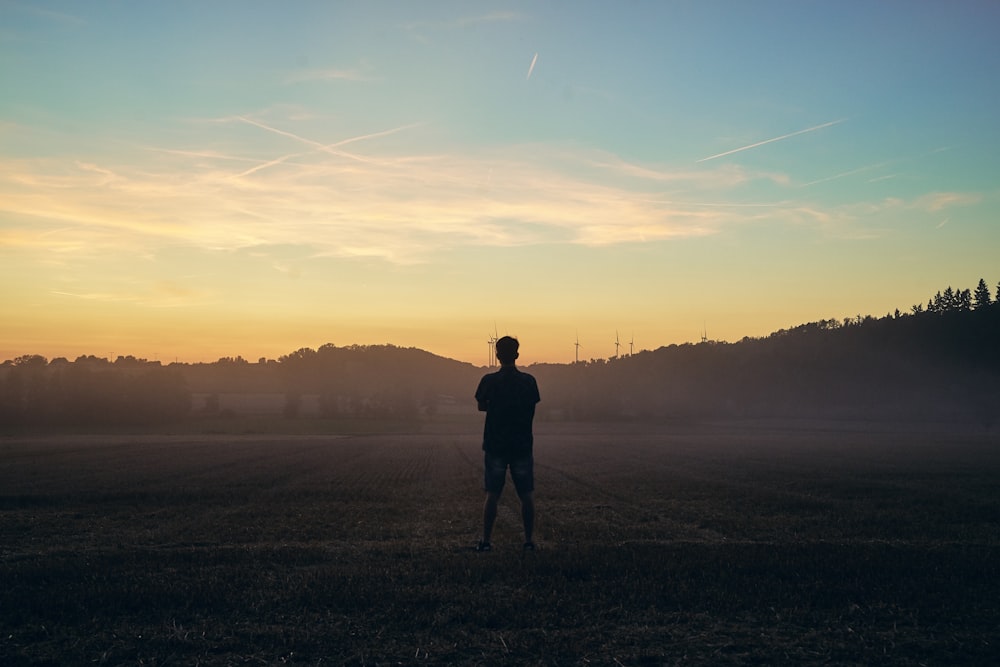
x,y
728,543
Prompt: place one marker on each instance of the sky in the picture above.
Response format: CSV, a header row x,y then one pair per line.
x,y
195,180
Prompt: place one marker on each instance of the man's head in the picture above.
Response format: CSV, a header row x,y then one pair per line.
x,y
507,350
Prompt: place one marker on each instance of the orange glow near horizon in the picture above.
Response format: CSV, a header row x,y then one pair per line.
x,y
222,193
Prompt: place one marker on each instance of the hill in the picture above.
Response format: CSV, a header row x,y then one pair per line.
x,y
941,362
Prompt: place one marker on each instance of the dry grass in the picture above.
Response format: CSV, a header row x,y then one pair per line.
x,y
724,544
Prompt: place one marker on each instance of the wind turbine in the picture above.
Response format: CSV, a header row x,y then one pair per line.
x,y
578,347
492,342
617,344
631,345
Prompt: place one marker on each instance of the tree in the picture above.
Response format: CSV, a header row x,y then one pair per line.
x,y
948,302
936,304
981,297
963,300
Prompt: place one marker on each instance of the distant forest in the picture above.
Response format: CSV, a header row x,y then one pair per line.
x,y
939,361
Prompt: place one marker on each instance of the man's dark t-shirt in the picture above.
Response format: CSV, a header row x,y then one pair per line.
x,y
509,397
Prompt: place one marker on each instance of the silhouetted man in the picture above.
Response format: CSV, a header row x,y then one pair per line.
x,y
508,398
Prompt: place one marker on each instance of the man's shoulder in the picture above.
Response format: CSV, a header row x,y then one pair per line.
x,y
489,377
526,376
504,375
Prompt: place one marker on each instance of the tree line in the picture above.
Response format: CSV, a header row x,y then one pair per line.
x,y
90,391
942,362
937,361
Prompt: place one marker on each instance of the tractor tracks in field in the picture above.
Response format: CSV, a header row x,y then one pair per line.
x,y
624,516
639,509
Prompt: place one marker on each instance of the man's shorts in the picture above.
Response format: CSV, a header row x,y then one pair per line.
x,y
522,472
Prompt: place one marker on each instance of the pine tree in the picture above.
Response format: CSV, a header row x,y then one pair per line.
x,y
948,300
981,297
963,300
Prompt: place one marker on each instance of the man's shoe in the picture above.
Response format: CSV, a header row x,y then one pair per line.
x,y
484,546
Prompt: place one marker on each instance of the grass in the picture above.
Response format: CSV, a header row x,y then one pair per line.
x,y
713,544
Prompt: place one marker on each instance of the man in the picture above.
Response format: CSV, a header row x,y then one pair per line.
x,y
508,398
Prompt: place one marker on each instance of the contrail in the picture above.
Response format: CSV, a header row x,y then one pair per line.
x,y
531,67
267,164
328,148
373,135
846,173
769,141
281,132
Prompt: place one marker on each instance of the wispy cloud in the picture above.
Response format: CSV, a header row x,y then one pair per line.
x,y
332,74
938,201
46,14
466,21
388,208
158,294
96,296
772,140
207,154
419,29
492,17
726,176
381,202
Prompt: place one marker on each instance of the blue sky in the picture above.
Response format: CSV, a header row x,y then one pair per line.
x,y
194,180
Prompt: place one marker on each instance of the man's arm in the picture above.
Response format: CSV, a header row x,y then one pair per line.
x,y
481,399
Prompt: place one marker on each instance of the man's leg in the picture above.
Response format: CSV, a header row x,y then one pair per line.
x,y
528,515
522,472
489,514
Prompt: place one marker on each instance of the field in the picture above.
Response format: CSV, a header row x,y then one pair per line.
x,y
708,544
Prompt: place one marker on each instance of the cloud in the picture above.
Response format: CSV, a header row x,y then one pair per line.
x,y
466,21
332,74
772,140
160,294
937,201
383,199
492,17
95,296
725,176
531,67
46,14
419,29
400,208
